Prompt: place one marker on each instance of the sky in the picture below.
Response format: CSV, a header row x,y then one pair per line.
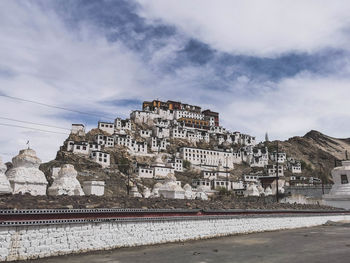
x,y
276,66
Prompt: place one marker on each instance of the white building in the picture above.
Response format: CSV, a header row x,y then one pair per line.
x,y
143,171
122,124
143,116
107,141
176,163
282,157
106,126
188,114
199,156
78,129
145,133
159,144
272,171
162,171
102,158
178,133
161,132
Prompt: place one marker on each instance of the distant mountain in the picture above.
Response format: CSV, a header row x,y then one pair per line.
x,y
319,152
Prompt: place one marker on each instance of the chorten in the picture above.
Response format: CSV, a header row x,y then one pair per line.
x,y
252,190
25,176
66,182
339,195
5,187
170,189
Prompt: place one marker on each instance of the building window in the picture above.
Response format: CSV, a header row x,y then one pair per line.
x,y
344,179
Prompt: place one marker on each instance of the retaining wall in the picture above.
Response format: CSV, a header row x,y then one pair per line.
x,y
29,242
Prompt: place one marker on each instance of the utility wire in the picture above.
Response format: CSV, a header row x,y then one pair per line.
x,y
34,123
53,106
35,129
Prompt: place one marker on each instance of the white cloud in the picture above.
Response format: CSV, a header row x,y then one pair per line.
x,y
255,27
295,106
42,60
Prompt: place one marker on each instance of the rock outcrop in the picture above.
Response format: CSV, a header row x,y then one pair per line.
x,y
66,182
25,176
5,187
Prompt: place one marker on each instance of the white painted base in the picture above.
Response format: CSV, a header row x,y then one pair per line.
x,y
29,242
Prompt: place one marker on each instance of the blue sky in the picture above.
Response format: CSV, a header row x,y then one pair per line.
x,y
275,66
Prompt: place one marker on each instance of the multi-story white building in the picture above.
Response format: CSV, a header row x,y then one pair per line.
x,y
161,132
107,141
122,124
140,117
294,166
178,133
176,163
188,114
102,158
199,156
282,157
158,144
272,171
106,126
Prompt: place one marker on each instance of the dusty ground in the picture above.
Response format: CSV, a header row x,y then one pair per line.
x,y
223,202
318,244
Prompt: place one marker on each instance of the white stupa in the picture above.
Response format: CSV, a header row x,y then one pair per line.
x,y
268,191
5,187
25,176
134,192
146,192
339,195
252,190
170,189
188,191
201,193
155,190
66,182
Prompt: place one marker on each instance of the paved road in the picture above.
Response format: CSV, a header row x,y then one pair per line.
x,y
318,244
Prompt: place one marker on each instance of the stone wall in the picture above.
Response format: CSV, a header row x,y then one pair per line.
x,y
29,242
309,191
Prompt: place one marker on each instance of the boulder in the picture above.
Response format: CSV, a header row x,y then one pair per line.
x,y
5,187
66,182
25,176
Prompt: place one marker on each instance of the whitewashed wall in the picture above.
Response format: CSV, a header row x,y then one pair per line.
x,y
29,242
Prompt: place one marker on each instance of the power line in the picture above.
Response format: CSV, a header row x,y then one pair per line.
x,y
53,106
34,123
30,128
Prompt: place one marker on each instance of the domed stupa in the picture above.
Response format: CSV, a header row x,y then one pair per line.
x,y
66,182
25,176
5,187
339,195
170,189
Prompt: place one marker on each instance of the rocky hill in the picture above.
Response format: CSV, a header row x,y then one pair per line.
x,y
319,153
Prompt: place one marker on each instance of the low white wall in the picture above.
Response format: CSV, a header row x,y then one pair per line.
x,y
28,242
